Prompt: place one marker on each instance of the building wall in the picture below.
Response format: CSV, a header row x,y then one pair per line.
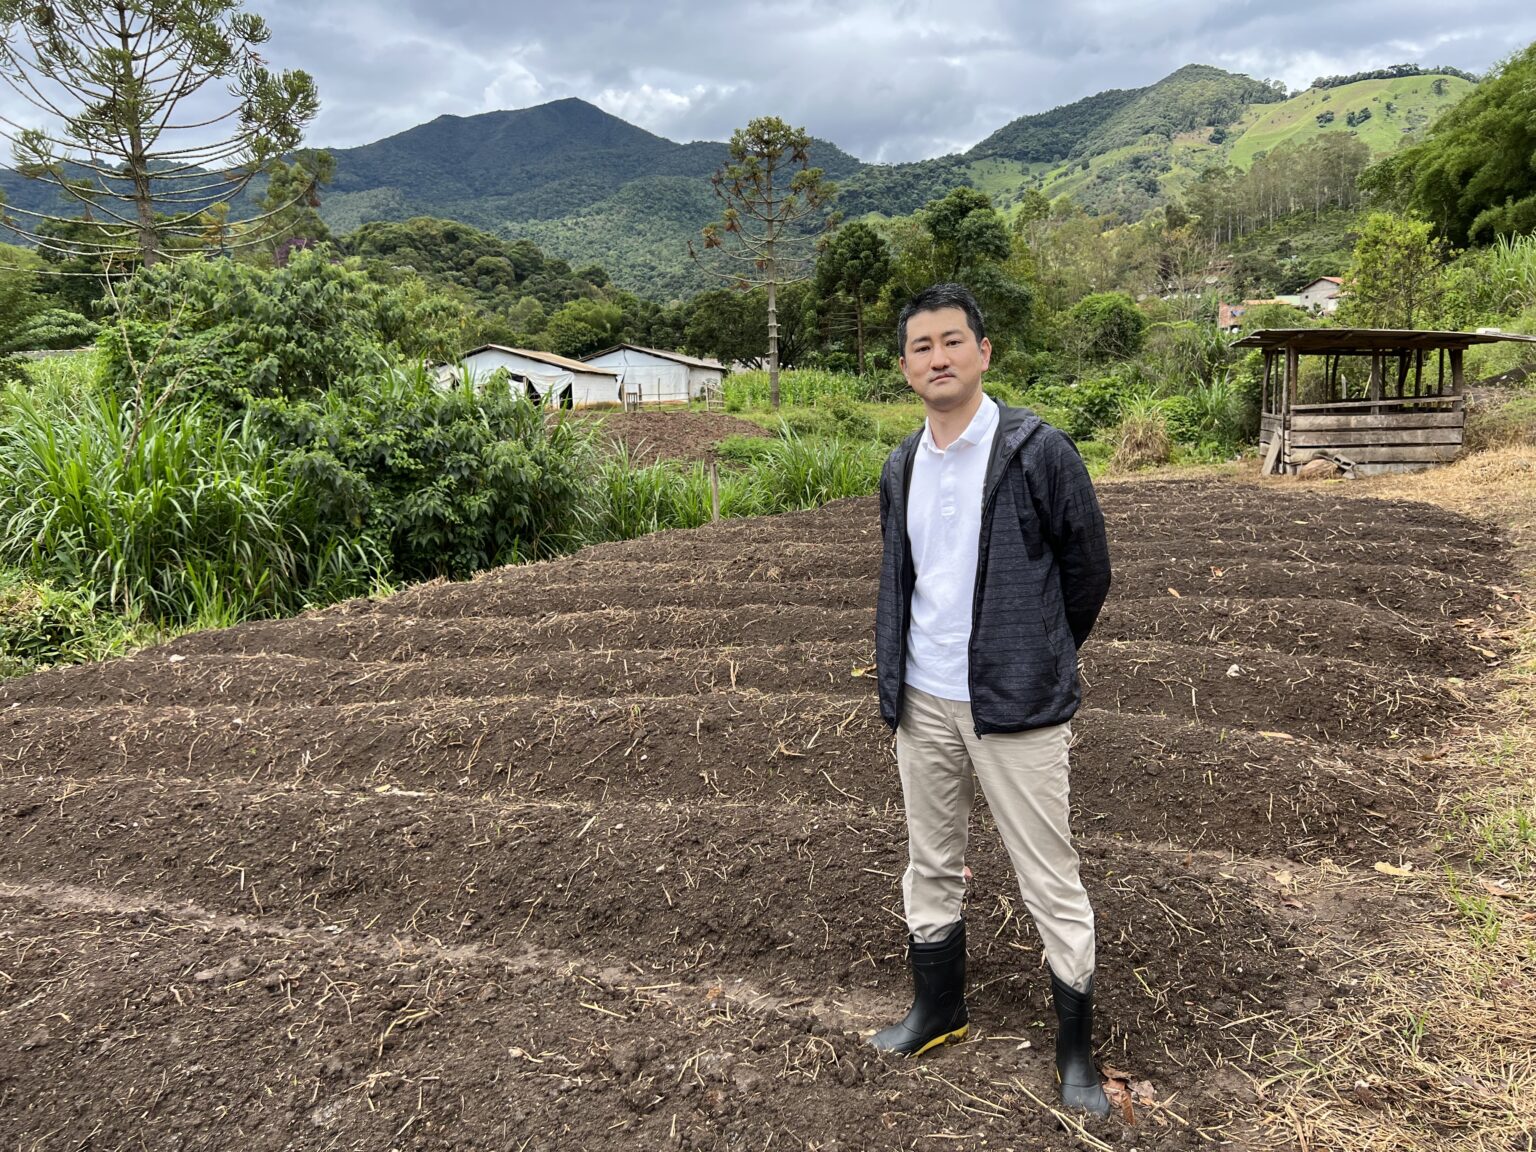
x,y
587,388
1323,297
657,379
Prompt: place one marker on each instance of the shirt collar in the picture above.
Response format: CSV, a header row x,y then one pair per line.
x,y
976,431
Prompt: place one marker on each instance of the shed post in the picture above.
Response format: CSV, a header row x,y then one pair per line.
x,y
1292,383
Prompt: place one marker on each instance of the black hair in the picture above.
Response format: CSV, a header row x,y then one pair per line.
x,y
932,299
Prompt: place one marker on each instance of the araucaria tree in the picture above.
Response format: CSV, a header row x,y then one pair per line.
x,y
133,134
774,204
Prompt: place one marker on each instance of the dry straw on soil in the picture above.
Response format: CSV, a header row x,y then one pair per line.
x,y
1439,1050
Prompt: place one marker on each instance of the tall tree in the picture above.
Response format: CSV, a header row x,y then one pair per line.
x,y
773,204
129,135
290,207
967,233
960,236
1394,280
853,267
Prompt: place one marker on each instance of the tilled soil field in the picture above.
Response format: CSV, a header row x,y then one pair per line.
x,y
670,435
605,852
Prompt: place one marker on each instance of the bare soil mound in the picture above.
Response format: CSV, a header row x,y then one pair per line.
x,y
605,852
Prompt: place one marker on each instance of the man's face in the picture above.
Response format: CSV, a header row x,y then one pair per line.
x,y
943,361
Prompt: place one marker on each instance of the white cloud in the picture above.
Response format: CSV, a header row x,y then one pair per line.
x,y
514,86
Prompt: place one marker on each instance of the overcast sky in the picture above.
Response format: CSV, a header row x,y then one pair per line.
x,y
887,82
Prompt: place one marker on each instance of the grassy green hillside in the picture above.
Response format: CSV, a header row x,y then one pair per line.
x,y
1138,175
1414,103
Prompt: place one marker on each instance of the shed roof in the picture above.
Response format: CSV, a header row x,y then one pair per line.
x,y
694,361
543,357
1311,340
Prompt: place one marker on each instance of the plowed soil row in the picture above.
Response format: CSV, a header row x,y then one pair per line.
x,y
606,852
1295,627
340,1039
1421,593
1142,776
1317,696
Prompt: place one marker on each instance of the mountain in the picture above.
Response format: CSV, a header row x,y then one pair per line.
x,y
1196,96
540,163
588,187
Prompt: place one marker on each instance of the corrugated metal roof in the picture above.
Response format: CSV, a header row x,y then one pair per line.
x,y
663,353
542,357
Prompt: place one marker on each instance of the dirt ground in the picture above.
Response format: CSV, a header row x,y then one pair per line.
x,y
605,852
673,435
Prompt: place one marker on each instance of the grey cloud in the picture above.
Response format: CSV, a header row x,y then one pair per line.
x,y
884,81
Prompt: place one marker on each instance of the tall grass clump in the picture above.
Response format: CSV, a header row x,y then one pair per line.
x,y
160,510
799,387
1141,440
1510,274
804,472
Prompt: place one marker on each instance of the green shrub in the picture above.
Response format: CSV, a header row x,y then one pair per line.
x,y
849,421
806,422
743,449
438,482
1105,326
1096,455
233,333
1510,423
42,624
1085,408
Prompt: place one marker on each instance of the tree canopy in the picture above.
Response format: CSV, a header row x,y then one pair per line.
x,y
1475,175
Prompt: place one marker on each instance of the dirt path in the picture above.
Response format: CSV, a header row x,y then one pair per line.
x,y
605,852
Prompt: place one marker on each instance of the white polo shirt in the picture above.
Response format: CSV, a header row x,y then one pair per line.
x,y
944,531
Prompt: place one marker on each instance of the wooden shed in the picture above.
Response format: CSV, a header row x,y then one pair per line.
x,y
1374,399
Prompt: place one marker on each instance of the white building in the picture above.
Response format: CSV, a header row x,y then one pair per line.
x,y
1321,296
655,376
547,377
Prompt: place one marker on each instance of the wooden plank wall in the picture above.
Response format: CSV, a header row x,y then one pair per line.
x,y
1423,436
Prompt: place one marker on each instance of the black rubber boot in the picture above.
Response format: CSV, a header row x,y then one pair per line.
x,y
1080,1084
938,1013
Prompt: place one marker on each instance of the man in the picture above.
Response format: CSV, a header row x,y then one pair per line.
x,y
995,568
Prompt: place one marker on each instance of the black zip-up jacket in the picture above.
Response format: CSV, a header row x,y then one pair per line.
x,y
1042,573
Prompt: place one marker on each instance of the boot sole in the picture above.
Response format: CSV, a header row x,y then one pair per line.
x,y
957,1035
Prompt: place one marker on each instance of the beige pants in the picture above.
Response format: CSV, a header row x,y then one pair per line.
x,y
1024,778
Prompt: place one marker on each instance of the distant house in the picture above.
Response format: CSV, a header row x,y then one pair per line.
x,y
1322,295
545,376
656,376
